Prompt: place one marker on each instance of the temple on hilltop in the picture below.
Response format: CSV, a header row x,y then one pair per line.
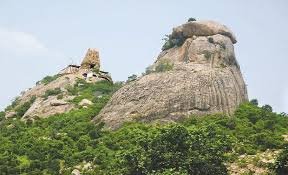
x,y
89,68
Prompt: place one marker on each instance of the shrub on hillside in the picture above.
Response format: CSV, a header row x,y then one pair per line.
x,y
131,78
163,66
148,70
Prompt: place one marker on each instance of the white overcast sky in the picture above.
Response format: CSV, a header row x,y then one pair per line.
x,y
38,38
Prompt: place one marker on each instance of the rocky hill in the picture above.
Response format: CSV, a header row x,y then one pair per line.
x,y
196,73
88,124
53,95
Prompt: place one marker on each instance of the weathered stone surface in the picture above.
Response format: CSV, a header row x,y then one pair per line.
x,y
205,79
43,108
91,59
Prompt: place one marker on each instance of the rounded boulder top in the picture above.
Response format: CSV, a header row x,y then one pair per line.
x,y
203,28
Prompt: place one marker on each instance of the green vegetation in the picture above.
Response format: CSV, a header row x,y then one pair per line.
x,y
46,145
253,128
211,40
2,115
142,149
148,70
161,66
254,102
281,165
171,42
207,54
52,92
14,103
164,66
174,41
131,78
96,69
48,79
197,145
92,91
191,19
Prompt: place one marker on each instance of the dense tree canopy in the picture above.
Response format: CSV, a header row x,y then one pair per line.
x,y
197,145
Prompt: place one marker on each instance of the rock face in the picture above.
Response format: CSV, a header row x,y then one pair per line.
x,y
45,108
205,79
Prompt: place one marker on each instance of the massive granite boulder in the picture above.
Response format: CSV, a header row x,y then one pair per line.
x,y
203,78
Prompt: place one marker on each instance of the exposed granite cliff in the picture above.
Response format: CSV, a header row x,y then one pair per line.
x,y
204,78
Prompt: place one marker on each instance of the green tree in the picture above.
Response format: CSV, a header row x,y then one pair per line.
x,y
254,102
191,19
267,108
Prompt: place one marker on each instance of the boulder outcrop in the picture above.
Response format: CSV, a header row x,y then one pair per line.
x,y
44,108
204,78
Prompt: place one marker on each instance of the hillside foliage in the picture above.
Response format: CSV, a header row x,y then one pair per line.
x,y
197,145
